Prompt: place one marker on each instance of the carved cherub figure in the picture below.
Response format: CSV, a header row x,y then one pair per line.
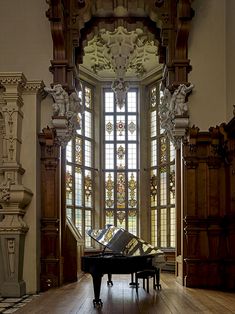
x,y
61,100
75,110
177,103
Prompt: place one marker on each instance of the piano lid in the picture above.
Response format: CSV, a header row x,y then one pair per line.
x,y
121,241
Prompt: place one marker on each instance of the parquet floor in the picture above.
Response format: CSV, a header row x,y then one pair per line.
x,y
121,299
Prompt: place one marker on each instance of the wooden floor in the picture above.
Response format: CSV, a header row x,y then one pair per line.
x,y
172,298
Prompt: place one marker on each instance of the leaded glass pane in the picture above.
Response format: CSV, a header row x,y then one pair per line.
x,y
88,130
132,156
153,153
78,150
69,152
132,128
172,152
121,184
109,156
132,221
78,187
153,97
172,227
88,153
131,100
153,188
163,227
120,155
87,97
132,190
121,219
153,124
109,217
172,184
163,188
163,150
88,226
120,128
109,190
69,185
88,188
109,128
69,213
78,219
109,102
154,227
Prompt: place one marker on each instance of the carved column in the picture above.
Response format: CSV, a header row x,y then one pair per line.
x,y
14,197
51,260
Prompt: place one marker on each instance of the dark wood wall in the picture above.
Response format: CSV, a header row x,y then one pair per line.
x,y
209,208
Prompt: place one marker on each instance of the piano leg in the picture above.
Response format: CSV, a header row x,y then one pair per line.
x,y
133,281
97,278
157,272
109,282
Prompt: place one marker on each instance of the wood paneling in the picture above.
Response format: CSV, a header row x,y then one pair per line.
x,y
208,208
51,260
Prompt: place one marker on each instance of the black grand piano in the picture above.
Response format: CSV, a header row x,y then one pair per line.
x,y
123,253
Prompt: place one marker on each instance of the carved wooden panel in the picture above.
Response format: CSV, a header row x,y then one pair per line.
x,y
209,212
51,260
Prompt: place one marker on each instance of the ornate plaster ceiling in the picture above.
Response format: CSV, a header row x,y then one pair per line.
x,y
121,54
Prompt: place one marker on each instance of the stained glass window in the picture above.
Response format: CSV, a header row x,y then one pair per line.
x,y
162,179
121,161
80,169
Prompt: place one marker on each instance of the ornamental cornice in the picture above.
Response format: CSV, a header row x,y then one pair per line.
x,y
12,78
34,87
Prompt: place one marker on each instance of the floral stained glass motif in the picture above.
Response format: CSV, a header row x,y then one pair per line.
x,y
163,150
153,186
109,127
87,97
109,185
88,186
131,127
153,97
121,190
120,127
78,150
121,152
132,184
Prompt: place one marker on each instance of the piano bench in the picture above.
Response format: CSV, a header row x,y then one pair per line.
x,y
145,274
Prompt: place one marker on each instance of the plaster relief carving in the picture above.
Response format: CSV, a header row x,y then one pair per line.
x,y
120,89
122,52
11,256
173,112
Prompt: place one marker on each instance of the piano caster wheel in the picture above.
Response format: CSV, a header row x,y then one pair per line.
x,y
97,303
109,283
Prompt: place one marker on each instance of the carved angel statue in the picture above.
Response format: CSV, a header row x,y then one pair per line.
x,y
75,110
61,100
177,103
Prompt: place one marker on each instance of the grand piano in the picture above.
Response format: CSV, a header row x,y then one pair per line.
x,y
123,253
